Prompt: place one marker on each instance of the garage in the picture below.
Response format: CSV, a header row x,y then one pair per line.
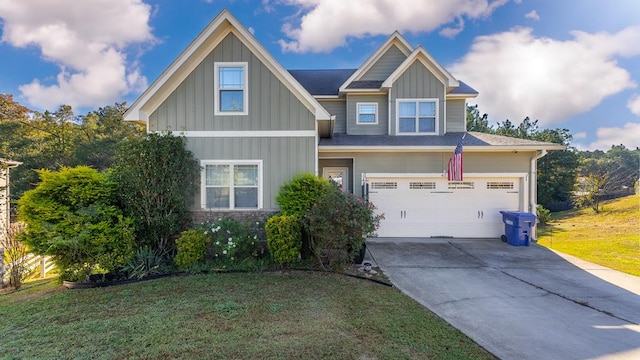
x,y
435,207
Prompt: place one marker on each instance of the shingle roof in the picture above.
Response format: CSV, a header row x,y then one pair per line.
x,y
365,84
475,139
322,82
463,89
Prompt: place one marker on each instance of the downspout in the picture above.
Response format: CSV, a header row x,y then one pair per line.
x,y
533,193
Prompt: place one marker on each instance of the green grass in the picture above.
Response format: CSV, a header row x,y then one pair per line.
x,y
610,238
280,315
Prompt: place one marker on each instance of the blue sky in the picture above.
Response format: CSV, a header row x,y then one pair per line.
x,y
570,64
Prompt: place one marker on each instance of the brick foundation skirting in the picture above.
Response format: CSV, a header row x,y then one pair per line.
x,y
200,216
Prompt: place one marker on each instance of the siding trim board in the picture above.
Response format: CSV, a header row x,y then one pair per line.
x,y
251,134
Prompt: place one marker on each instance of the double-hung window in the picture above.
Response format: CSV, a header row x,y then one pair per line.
x,y
417,116
232,184
367,113
230,95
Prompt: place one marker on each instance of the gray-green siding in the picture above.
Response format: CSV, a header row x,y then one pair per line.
x,y
434,163
271,105
281,159
381,128
417,82
456,115
387,63
337,108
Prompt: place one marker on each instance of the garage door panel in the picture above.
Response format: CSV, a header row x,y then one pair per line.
x,y
431,207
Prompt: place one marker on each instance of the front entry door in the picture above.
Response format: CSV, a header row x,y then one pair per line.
x,y
339,175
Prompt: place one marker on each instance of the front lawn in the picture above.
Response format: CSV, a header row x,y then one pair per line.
x,y
610,238
279,315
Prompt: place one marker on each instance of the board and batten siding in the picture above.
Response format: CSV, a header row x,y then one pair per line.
x,y
417,82
281,159
432,163
387,63
271,105
338,109
381,128
456,115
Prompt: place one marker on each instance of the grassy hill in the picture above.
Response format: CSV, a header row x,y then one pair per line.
x,y
610,238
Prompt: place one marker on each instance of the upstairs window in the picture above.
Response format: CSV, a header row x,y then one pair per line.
x,y
367,113
231,95
417,116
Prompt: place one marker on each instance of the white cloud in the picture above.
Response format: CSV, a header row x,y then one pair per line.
x,y
628,135
88,40
634,104
518,74
326,24
580,135
533,15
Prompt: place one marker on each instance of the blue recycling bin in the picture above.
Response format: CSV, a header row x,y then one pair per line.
x,y
517,227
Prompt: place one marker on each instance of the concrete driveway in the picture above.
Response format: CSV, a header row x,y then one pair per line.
x,y
518,302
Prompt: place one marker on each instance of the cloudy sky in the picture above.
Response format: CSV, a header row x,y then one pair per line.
x,y
570,64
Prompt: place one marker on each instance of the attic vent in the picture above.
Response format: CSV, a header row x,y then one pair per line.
x,y
422,185
384,185
461,185
500,185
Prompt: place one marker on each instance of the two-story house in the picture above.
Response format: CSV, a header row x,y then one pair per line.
x,y
385,130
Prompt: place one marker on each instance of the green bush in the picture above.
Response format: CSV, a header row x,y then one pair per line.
x,y
192,248
284,238
298,195
146,262
544,215
156,177
70,215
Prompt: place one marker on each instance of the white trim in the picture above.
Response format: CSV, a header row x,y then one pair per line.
x,y
428,149
216,88
251,134
203,182
437,118
439,175
375,113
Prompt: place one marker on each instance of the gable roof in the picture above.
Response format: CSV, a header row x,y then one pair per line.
x,y
474,141
194,54
396,39
322,82
420,54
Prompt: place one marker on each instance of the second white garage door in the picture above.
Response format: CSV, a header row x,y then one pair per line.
x,y
435,207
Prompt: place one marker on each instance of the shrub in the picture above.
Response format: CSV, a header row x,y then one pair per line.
x,y
284,238
544,215
70,216
233,241
156,177
15,254
192,248
298,195
146,262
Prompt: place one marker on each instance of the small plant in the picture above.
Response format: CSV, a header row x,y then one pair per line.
x,y
15,253
192,248
544,215
146,262
284,238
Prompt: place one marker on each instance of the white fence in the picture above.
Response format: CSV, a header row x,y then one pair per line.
x,y
32,264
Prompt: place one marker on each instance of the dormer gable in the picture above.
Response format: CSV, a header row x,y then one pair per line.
x,y
421,55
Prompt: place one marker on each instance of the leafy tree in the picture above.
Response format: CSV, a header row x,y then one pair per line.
x,y
156,177
70,215
477,122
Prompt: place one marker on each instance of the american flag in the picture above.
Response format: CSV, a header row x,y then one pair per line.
x,y
454,169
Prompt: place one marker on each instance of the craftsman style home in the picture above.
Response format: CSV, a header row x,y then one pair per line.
x,y
385,130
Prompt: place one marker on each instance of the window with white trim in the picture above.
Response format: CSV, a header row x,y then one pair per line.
x,y
417,116
231,96
231,184
367,113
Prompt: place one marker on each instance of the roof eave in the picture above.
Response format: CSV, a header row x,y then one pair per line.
x,y
440,148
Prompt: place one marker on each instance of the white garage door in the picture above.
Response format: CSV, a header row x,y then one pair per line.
x,y
433,207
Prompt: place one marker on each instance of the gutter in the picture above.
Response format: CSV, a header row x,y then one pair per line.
x,y
533,193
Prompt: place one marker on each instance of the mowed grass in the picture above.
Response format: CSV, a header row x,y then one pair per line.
x,y
279,315
610,238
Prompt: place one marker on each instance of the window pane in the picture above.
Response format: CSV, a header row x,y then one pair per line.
x,y
407,125
367,118
231,77
217,175
231,100
246,197
366,109
218,197
427,124
245,175
407,109
428,109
